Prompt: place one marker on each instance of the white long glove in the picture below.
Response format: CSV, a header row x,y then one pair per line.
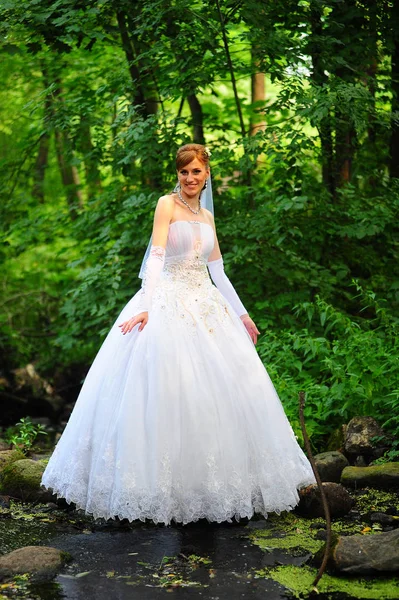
x,y
225,287
152,271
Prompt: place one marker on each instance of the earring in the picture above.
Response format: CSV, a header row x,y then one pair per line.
x,y
177,187
206,183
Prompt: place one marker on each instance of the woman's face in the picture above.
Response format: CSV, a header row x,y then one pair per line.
x,y
192,177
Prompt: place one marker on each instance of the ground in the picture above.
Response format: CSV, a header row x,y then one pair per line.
x,y
256,559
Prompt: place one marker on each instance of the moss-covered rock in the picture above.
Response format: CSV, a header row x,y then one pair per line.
x,y
22,478
385,476
44,562
365,554
9,456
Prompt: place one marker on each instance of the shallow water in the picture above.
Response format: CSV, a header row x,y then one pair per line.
x,y
141,561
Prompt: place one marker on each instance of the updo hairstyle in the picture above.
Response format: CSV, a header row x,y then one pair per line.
x,y
189,152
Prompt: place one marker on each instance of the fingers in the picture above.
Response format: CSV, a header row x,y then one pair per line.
x,y
127,326
252,329
254,332
143,324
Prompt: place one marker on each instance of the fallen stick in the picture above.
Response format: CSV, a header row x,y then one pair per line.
x,y
319,485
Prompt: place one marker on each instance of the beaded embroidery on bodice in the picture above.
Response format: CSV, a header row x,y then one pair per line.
x,y
187,250
185,289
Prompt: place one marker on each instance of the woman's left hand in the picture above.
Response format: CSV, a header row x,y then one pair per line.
x,y
251,327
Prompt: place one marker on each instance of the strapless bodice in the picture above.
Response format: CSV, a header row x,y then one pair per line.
x,y
189,240
187,250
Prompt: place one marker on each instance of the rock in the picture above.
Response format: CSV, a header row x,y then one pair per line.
x,y
318,526
358,436
22,478
4,445
360,461
310,504
45,421
336,439
364,554
44,562
4,501
31,395
28,377
354,514
9,456
330,465
384,476
384,519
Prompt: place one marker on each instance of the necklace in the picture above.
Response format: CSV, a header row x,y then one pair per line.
x,y
187,204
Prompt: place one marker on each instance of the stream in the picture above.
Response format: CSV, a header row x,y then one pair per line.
x,y
119,560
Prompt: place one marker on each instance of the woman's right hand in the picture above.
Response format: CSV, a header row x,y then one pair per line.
x,y
127,326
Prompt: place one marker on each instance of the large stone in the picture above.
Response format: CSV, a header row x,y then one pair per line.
x,y
39,560
359,434
330,465
364,554
338,499
22,478
27,378
385,476
9,456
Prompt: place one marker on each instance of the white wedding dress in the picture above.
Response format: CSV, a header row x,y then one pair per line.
x,y
179,421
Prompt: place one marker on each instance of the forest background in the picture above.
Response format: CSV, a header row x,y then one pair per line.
x,y
299,105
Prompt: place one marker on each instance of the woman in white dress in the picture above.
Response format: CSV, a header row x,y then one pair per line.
x,y
177,418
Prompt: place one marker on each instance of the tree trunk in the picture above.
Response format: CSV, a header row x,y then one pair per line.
x,y
138,98
319,77
39,170
197,119
258,96
394,141
93,180
145,97
345,136
69,173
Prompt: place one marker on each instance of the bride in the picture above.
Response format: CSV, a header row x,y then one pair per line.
x,y
177,418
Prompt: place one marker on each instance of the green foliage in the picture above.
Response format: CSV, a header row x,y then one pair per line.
x,y
347,367
390,455
24,434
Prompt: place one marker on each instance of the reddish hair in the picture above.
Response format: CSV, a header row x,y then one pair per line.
x,y
189,152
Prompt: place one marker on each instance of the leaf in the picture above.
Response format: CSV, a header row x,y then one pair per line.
x,y
366,530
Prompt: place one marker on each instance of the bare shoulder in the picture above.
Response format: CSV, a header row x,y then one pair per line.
x,y
165,204
166,200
